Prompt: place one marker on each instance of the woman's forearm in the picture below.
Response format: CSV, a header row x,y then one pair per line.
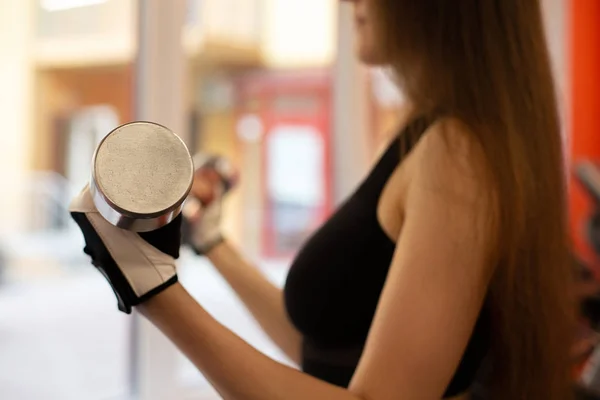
x,y
234,368
263,299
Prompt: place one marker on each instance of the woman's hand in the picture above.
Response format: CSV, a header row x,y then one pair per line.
x,y
137,266
202,212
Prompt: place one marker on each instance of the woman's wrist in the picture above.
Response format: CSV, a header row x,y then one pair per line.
x,y
208,245
213,245
156,302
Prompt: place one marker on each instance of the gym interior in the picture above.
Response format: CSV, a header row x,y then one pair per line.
x,y
273,87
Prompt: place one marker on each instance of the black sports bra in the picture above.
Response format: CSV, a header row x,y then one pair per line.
x,y
335,282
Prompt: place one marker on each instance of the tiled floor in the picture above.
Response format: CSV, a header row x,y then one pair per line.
x,y
62,338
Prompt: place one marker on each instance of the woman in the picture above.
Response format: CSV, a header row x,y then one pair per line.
x,y
451,256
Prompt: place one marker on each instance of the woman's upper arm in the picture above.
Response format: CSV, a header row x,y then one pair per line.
x,y
438,278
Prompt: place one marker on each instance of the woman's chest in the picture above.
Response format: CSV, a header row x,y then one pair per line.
x,y
336,280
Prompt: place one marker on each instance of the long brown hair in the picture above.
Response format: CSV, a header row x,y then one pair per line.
x,y
485,63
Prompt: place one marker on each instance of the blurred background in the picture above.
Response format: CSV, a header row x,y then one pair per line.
x,y
270,84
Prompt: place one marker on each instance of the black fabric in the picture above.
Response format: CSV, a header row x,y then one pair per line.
x,y
166,239
335,282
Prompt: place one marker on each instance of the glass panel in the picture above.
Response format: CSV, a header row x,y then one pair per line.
x,y
61,336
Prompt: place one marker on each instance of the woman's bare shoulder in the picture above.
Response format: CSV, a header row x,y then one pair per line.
x,y
449,157
450,169
446,163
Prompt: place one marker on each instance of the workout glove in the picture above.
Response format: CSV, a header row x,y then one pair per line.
x,y
203,232
137,265
202,212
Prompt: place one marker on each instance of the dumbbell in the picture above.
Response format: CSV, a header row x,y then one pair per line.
x,y
141,175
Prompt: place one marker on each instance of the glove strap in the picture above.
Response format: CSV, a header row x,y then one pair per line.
x,y
106,265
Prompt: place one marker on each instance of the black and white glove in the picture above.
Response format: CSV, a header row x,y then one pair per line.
x,y
202,227
137,265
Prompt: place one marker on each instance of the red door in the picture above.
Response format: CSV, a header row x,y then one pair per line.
x,y
296,184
